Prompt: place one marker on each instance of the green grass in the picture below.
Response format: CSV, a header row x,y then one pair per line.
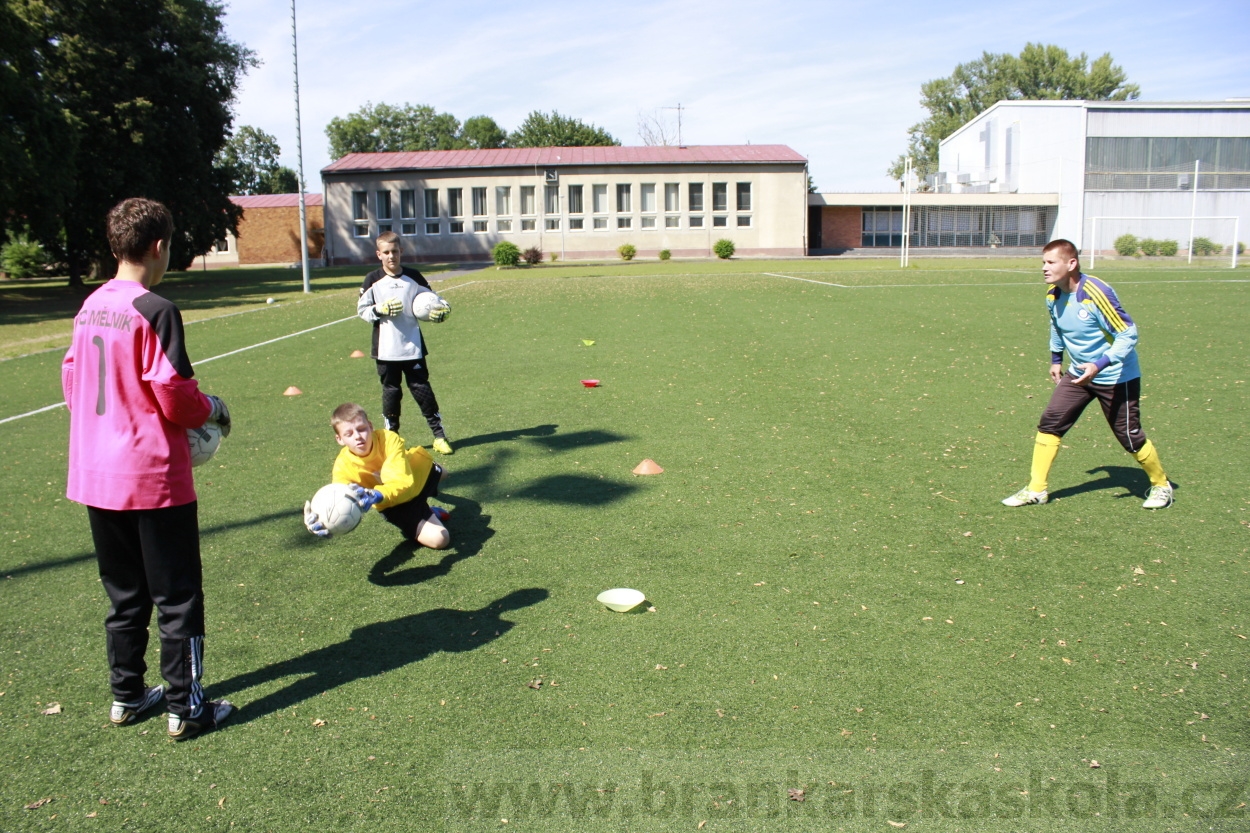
x,y
834,457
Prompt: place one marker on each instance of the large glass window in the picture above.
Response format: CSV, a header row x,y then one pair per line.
x,y
408,204
696,196
360,213
455,210
551,199
575,200
1165,163
503,200
528,204
599,195
672,197
479,202
431,202
647,197
624,199
720,196
744,196
384,205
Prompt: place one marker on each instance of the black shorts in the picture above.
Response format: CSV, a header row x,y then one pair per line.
x,y
408,515
1120,406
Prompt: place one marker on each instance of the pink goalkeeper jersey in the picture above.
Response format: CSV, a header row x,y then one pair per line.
x,y
128,385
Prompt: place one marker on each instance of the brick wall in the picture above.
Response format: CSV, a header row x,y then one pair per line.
x,y
271,235
840,227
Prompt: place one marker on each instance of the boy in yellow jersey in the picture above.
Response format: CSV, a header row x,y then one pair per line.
x,y
383,472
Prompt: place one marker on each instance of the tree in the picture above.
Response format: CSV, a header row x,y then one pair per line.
x,y
382,127
1040,71
482,132
145,88
540,130
654,129
251,157
281,180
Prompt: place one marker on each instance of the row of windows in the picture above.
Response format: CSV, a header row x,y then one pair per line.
x,y
508,225
574,200
956,226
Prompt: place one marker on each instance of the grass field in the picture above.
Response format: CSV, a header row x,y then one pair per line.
x,y
841,604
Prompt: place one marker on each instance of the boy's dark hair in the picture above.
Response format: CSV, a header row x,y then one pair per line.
x,y
347,412
133,225
386,237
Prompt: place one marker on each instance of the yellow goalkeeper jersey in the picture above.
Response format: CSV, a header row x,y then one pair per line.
x,y
395,470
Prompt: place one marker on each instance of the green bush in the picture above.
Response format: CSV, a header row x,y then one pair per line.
x,y
1168,248
506,254
665,254
1241,248
1149,247
553,257
1126,245
1204,246
724,249
22,257
626,251
533,256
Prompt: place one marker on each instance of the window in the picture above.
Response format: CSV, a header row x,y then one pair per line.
x,y
360,213
744,221
552,224
408,204
696,221
696,196
720,221
455,209
624,222
408,228
647,222
672,197
527,225
575,200
383,227
624,196
479,226
222,246
479,203
431,202
601,223
720,196
503,200
575,224
599,197
744,196
503,225
672,221
647,197
528,205
431,228
384,205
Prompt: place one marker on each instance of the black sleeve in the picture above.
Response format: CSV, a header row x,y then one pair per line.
x,y
416,276
370,279
166,322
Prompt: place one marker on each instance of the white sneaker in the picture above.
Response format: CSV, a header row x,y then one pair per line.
x,y
1159,497
1025,498
123,713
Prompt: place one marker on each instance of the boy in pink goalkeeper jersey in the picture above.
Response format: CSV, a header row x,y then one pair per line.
x,y
131,398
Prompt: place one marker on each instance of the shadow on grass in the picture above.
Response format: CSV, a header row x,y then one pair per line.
x,y
546,436
469,528
375,649
1129,478
507,436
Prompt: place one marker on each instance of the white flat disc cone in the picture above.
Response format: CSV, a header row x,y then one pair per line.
x,y
620,599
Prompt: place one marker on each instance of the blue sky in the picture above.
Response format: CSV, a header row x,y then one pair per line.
x,y
837,81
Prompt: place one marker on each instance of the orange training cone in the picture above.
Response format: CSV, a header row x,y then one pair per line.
x,y
648,466
292,391
358,354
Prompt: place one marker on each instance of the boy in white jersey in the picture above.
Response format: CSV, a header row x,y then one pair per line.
x,y
1088,322
386,297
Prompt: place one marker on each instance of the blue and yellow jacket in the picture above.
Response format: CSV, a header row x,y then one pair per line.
x,y
1091,326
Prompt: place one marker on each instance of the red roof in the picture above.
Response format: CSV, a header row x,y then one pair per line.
x,y
274,200
554,157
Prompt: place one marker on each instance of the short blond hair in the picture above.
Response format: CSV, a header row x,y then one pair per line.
x,y
347,412
386,237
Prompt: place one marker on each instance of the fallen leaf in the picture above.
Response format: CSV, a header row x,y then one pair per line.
x,y
661,668
700,827
319,722
950,621
92,814
1095,765
651,609
535,684
105,801
760,583
221,802
720,712
896,823
926,619
35,805
796,794
967,534
657,714
846,733
1066,661
53,708
1138,571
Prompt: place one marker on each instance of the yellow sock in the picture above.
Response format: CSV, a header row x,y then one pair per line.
x,y
1149,459
1045,448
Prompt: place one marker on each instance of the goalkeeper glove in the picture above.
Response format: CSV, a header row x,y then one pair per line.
x,y
440,314
365,497
391,307
313,523
220,414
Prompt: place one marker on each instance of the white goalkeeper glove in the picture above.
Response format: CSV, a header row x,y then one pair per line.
x,y
220,414
313,523
440,314
365,497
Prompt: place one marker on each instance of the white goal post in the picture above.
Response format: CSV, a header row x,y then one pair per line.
x,y
1220,230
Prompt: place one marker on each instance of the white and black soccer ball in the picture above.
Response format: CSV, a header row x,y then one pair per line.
x,y
336,508
425,303
204,442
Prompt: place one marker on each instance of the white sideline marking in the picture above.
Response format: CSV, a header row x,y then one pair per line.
x,y
222,355
946,285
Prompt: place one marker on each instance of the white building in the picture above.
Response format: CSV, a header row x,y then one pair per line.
x,y
580,202
1107,161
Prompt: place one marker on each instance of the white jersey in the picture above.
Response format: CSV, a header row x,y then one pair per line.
x,y
399,336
